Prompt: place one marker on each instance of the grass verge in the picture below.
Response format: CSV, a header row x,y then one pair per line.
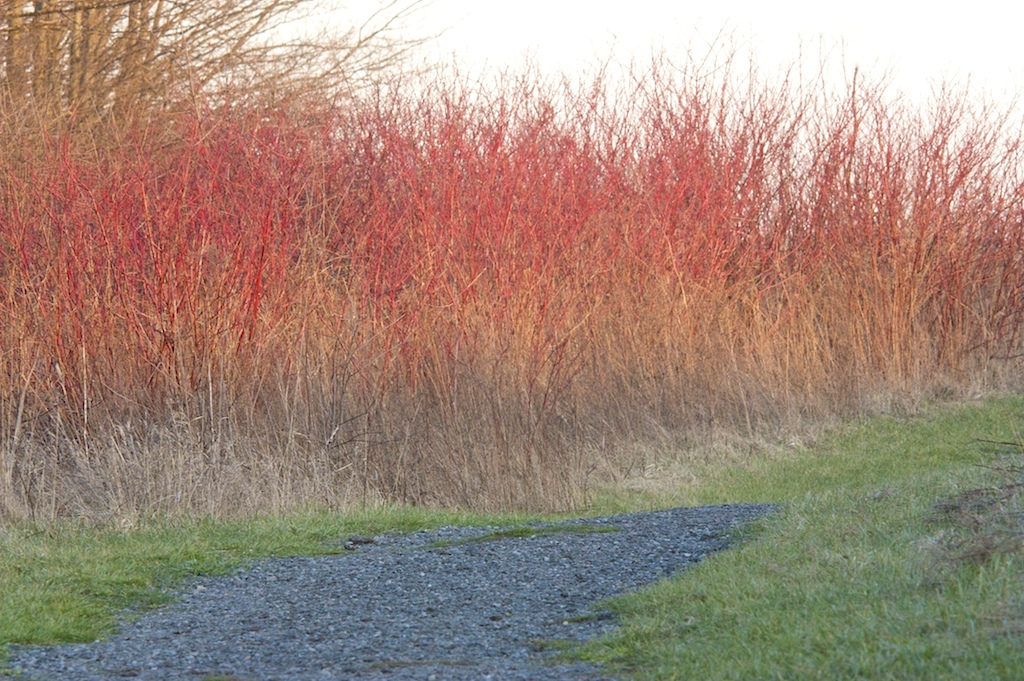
x,y
883,562
70,583
863,573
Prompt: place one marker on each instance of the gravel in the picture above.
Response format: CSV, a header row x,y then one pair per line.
x,y
453,603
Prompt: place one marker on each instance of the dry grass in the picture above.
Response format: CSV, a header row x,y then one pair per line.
x,y
986,521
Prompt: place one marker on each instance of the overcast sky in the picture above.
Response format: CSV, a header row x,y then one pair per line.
x,y
920,42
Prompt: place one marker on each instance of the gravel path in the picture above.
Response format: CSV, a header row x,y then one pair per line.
x,y
438,605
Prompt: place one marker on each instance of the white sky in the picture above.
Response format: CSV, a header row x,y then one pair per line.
x,y
921,42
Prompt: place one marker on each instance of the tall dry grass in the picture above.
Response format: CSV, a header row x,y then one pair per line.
x,y
476,296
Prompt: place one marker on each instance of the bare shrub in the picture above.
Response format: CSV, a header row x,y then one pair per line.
x,y
457,295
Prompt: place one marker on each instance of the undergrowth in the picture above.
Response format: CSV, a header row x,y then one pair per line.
x,y
453,294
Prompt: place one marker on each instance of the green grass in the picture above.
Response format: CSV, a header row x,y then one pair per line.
x,y
70,583
856,576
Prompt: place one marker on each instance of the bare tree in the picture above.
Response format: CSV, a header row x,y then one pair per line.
x,y
95,56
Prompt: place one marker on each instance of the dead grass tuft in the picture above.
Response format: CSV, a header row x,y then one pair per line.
x,y
986,521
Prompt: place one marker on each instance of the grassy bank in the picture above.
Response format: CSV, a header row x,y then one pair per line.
x,y
859,575
882,563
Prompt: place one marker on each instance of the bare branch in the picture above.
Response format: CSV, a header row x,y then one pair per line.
x,y
95,57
